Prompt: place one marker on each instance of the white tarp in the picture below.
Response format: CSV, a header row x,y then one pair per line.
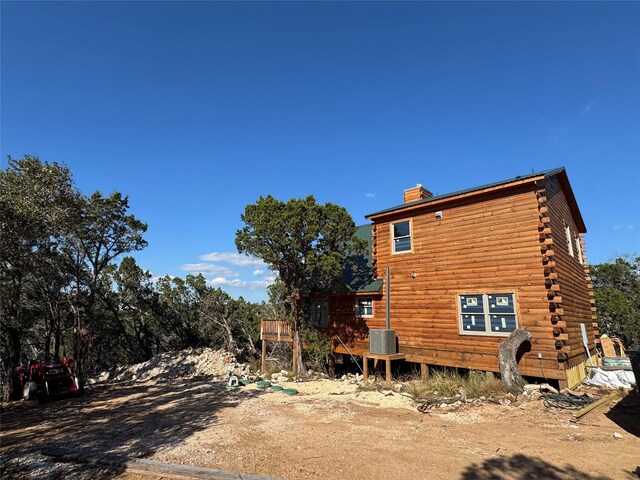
x,y
611,378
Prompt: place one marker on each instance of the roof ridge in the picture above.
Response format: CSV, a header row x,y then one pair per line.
x,y
546,173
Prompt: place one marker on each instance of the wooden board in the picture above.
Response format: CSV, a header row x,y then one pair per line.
x,y
148,467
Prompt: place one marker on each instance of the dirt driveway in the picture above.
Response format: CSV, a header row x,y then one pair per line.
x,y
328,431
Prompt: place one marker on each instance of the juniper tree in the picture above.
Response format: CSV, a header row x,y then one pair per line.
x,y
305,243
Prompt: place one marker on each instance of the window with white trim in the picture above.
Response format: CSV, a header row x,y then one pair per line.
x,y
567,233
364,307
579,250
401,236
487,313
318,313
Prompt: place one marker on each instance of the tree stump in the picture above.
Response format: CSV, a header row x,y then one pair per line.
x,y
507,356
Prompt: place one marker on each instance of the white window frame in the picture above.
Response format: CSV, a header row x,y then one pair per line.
x,y
579,250
393,238
358,307
487,315
569,237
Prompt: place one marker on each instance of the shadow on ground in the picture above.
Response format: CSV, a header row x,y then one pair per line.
x,y
134,420
522,467
626,413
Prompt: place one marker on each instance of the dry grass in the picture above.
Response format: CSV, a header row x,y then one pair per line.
x,y
368,386
448,384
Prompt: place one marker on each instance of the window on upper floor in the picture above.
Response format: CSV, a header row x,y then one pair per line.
x,y
569,239
487,313
579,250
364,307
401,232
318,313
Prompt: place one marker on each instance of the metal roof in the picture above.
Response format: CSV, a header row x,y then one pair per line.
x,y
356,275
545,173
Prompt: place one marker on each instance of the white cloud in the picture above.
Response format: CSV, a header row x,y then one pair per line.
x,y
586,109
238,283
238,259
208,269
630,227
370,195
617,227
257,272
624,227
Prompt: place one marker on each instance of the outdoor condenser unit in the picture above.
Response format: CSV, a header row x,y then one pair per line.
x,y
382,341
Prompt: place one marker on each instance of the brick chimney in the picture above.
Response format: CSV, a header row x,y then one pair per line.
x,y
416,193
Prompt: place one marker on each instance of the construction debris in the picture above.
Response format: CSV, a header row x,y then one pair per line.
x,y
600,377
192,362
597,404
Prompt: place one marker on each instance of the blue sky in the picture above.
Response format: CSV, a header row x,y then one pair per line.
x,y
194,109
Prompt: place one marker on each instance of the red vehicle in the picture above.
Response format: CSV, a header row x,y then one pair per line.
x,y
46,381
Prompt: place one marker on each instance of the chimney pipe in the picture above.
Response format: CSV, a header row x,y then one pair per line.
x,y
388,292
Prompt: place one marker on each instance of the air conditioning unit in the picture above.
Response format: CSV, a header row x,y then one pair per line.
x,y
382,341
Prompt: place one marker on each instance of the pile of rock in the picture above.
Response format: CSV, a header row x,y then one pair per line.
x,y
351,378
285,376
192,362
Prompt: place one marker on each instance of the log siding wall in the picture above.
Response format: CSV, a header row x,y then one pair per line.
x,y
571,280
504,241
486,246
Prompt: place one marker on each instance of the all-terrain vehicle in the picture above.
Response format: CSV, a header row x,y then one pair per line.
x,y
46,381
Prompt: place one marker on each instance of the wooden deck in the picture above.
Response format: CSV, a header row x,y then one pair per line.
x,y
275,331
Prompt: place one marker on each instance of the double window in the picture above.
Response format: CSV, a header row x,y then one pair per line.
x,y
364,307
318,313
487,313
401,232
570,244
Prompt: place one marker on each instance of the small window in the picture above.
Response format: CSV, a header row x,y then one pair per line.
x,y
319,313
487,314
364,307
567,232
401,237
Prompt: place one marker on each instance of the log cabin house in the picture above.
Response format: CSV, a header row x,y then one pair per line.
x,y
466,269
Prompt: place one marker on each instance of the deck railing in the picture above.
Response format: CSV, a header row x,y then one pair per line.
x,y
275,330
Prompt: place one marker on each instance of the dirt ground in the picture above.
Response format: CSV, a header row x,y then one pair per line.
x,y
330,430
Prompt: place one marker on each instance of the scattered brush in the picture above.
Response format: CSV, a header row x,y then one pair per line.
x,y
447,384
368,387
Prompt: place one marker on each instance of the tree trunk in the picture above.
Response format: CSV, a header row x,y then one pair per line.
x,y
11,387
332,365
296,307
302,370
56,340
509,353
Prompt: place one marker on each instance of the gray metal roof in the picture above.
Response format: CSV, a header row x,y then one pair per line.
x,y
358,269
546,173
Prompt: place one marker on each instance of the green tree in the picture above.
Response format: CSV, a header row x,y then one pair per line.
x,y
37,204
180,303
136,309
305,243
617,293
104,232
